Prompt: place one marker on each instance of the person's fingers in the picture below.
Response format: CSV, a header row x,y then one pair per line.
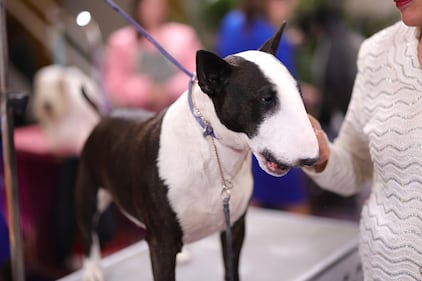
x,y
324,150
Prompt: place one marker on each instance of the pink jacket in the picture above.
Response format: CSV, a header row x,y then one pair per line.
x,y
129,87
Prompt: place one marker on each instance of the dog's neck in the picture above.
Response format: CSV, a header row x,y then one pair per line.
x,y
188,164
205,107
182,135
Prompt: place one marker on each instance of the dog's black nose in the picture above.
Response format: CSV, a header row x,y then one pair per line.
x,y
308,161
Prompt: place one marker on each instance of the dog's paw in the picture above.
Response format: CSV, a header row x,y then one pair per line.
x,y
184,256
92,271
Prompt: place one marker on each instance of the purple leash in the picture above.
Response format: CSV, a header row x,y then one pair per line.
x,y
207,129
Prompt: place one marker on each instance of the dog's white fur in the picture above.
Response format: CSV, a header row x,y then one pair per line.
x,y
63,113
92,269
287,133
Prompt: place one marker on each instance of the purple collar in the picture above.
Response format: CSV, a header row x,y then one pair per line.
x,y
207,129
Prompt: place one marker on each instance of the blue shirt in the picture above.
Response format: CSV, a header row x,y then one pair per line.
x,y
236,35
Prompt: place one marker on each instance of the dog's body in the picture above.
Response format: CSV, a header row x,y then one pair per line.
x,y
165,175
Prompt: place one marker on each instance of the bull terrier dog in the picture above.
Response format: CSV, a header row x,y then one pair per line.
x,y
167,177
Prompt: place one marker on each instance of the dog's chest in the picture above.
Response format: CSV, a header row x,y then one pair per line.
x,y
189,167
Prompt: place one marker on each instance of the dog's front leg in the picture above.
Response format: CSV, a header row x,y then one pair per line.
x,y
238,234
163,258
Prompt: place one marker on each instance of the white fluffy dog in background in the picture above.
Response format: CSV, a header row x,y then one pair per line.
x,y
59,105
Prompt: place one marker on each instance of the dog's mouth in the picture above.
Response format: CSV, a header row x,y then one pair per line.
x,y
276,168
273,166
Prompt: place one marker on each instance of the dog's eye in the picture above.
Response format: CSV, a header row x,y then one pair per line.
x,y
267,99
267,96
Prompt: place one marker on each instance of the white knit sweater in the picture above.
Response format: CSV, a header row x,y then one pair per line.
x,y
381,143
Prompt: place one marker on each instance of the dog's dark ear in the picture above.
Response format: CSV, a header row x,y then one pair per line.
x,y
212,72
89,100
271,45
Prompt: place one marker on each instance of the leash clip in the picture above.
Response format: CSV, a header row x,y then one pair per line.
x,y
226,190
208,130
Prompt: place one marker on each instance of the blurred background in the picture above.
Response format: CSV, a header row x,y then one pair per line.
x,y
324,34
30,25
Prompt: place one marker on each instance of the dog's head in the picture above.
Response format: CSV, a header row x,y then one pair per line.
x,y
61,107
51,103
253,93
59,90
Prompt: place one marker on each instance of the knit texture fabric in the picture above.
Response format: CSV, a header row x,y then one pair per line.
x,y
380,144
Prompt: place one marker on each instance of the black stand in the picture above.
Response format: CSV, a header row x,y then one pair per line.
x,y
8,105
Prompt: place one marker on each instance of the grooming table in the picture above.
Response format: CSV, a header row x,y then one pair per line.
x,y
279,246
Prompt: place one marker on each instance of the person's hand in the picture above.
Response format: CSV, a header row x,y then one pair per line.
x,y
324,149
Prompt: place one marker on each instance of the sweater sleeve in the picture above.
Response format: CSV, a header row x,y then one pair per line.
x,y
349,167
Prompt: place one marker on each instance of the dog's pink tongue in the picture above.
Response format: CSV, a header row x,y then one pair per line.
x,y
275,169
272,166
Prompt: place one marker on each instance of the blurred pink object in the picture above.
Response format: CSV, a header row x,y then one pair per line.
x,y
135,72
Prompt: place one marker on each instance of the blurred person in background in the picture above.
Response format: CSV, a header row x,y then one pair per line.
x,y
247,28
251,24
379,143
136,74
334,61
333,70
